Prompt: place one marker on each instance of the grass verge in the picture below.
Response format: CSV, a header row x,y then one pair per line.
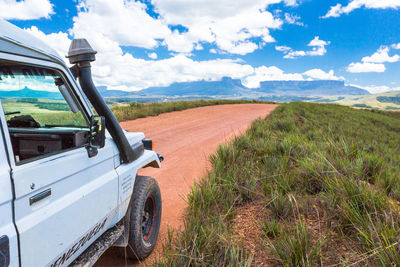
x,y
324,180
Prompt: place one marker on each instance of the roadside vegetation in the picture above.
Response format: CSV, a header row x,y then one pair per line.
x,y
310,185
57,112
136,110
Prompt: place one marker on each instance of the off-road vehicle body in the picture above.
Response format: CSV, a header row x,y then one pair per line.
x,y
69,184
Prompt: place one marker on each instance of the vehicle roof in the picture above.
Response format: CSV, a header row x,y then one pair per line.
x,y
17,41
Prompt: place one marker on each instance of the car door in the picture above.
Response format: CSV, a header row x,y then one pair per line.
x,y
65,199
8,235
80,196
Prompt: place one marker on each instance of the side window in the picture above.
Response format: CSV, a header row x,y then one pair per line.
x,y
42,116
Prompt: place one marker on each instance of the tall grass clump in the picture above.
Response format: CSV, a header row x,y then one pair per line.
x,y
297,248
328,180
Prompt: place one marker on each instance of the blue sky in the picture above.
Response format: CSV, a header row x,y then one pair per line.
x,y
157,42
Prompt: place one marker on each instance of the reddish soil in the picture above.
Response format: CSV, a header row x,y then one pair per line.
x,y
186,139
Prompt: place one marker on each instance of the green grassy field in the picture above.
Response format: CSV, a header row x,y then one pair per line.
x,y
384,101
47,111
311,185
44,111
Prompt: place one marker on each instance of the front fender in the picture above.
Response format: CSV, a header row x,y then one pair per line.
x,y
127,174
152,159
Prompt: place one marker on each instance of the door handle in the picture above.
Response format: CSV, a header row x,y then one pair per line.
x,y
40,196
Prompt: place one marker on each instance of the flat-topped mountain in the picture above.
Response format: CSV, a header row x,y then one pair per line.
x,y
29,93
225,87
234,87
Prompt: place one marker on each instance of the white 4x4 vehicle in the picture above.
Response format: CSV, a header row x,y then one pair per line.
x,y
69,187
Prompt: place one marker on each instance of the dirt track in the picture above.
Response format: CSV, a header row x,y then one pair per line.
x,y
186,139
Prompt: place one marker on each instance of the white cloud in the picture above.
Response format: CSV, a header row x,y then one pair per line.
x,y
238,27
118,70
179,42
231,25
374,63
198,47
293,19
25,10
125,22
282,48
318,49
337,10
291,2
319,74
366,67
272,73
129,73
381,56
58,41
396,46
153,55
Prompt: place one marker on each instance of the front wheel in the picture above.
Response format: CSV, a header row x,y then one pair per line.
x,y
145,217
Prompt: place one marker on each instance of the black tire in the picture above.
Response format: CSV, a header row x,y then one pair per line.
x,y
145,218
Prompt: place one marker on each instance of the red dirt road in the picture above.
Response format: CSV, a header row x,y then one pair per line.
x,y
186,139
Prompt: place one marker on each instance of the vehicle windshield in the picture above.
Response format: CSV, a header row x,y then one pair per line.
x,y
37,97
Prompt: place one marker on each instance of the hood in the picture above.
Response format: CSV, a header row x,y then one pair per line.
x,y
134,137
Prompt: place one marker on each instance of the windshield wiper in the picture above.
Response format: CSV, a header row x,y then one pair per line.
x,y
62,125
12,113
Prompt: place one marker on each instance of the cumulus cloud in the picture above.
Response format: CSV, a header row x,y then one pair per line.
x,y
129,73
238,27
272,73
381,56
25,10
231,25
375,62
339,9
58,41
118,70
318,49
319,74
125,22
396,46
365,67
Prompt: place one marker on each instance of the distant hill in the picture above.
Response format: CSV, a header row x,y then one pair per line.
x,y
234,87
387,100
393,98
29,93
226,87
112,93
309,88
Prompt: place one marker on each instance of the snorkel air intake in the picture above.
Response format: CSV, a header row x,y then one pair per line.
x,y
81,54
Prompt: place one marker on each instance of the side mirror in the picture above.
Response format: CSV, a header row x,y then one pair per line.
x,y
97,134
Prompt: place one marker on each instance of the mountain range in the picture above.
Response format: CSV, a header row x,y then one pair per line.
x,y
225,88
29,93
228,87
